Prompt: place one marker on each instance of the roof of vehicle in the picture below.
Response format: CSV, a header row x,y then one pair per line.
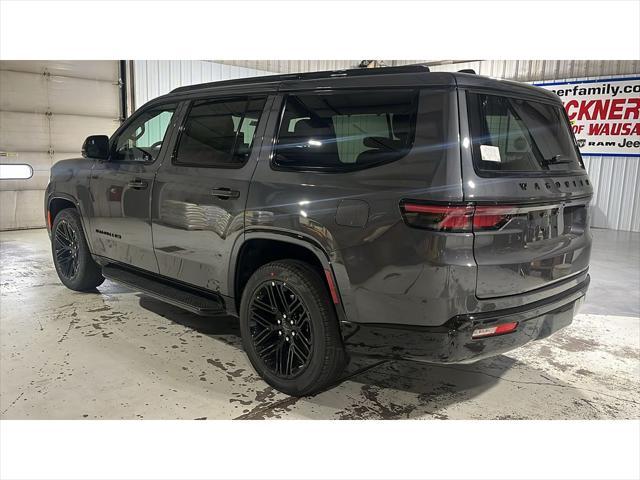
x,y
406,75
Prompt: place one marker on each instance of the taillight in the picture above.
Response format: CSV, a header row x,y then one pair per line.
x,y
441,218
491,217
495,330
456,218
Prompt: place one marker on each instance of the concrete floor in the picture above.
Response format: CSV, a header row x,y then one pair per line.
x,y
119,355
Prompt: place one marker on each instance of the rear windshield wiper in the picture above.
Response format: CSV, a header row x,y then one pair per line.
x,y
556,159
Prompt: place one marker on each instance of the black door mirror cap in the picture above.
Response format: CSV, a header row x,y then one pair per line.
x,y
96,146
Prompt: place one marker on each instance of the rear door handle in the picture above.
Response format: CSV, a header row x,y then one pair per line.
x,y
138,184
225,193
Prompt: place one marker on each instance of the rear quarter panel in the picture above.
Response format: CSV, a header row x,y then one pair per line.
x,y
386,271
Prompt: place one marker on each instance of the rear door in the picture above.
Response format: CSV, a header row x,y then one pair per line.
x,y
200,193
531,193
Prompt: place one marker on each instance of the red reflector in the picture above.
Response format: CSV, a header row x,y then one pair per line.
x,y
49,219
332,287
495,330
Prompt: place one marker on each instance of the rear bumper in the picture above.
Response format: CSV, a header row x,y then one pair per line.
x,y
452,342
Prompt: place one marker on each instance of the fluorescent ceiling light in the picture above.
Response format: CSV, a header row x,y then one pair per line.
x,y
15,171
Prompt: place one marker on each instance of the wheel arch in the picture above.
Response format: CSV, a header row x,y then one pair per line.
x,y
58,203
260,248
55,203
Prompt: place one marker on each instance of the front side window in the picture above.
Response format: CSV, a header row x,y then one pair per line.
x,y
142,140
516,135
346,131
219,133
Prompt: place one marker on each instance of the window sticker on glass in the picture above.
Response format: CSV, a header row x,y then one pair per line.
x,y
490,153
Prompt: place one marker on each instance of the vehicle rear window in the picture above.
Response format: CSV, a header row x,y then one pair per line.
x,y
516,135
346,131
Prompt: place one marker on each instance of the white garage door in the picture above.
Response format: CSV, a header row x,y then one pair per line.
x,y
47,109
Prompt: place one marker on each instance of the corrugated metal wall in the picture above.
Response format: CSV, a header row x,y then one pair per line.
x,y
616,181
293,66
521,70
153,78
616,197
536,70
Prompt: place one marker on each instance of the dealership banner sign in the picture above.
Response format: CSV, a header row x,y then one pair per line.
x,y
604,114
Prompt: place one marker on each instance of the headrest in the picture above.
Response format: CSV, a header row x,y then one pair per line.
x,y
310,127
225,125
401,125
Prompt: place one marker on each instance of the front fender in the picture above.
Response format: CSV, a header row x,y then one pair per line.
x,y
50,196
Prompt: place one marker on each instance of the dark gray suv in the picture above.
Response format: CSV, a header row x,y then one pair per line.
x,y
390,212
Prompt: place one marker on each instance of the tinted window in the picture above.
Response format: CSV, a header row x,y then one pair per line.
x,y
219,133
344,131
142,139
511,134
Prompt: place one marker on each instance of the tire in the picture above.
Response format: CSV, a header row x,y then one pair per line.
x,y
316,355
71,256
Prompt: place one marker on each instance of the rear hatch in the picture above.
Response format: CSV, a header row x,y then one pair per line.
x,y
531,194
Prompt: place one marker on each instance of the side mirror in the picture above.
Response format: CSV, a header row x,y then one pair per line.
x,y
96,146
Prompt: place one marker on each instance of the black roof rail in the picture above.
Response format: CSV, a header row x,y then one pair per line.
x,y
354,72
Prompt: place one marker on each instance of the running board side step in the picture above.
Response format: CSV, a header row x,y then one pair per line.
x,y
191,300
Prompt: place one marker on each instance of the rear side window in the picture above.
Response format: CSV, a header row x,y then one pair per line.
x,y
219,133
516,135
346,131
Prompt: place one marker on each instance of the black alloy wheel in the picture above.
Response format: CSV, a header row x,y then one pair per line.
x,y
72,258
65,245
290,329
281,328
